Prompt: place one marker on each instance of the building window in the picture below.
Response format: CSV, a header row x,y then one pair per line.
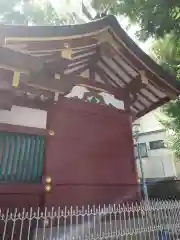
x,y
156,144
142,150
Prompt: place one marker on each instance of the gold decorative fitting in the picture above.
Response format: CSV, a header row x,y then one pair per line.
x,y
47,188
16,79
51,132
48,180
66,53
57,76
106,37
143,76
66,45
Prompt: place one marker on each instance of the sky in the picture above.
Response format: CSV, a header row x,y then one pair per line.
x,y
63,7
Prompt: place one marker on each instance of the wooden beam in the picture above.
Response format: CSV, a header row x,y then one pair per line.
x,y
105,77
92,74
152,107
85,51
113,71
60,64
23,129
137,78
67,82
135,85
163,85
24,101
171,92
6,99
106,50
53,45
18,61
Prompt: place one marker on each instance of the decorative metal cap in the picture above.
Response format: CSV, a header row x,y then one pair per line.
x,y
48,180
51,132
48,188
66,45
57,76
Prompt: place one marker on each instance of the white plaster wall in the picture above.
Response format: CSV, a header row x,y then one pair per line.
x,y
160,162
149,122
24,117
79,91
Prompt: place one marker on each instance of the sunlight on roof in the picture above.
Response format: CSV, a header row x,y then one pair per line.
x,y
63,7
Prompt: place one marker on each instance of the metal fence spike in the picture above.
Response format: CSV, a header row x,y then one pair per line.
x,y
154,220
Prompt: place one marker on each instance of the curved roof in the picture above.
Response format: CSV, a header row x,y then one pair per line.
x,y
101,51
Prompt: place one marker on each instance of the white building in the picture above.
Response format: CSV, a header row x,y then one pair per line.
x,y
158,161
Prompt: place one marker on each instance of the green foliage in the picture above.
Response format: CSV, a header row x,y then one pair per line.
x,y
30,12
159,19
155,18
171,121
166,51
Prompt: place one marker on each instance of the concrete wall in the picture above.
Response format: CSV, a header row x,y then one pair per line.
x,y
160,162
149,122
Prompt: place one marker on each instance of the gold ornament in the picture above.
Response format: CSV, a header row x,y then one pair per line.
x,y
51,132
66,53
48,180
16,79
47,188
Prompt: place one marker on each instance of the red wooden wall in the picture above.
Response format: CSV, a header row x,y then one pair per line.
x,y
90,158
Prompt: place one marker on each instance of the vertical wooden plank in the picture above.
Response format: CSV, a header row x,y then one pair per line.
x,y
41,158
21,157
26,159
5,157
1,152
31,158
11,155
35,170
16,156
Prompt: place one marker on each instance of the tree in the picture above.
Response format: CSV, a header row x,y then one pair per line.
x,y
155,18
160,20
31,12
166,52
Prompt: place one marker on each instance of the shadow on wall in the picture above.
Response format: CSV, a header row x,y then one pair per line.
x,y
163,189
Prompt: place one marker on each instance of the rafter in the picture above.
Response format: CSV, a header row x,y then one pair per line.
x,y
154,105
67,82
113,71
160,83
49,45
105,77
18,61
